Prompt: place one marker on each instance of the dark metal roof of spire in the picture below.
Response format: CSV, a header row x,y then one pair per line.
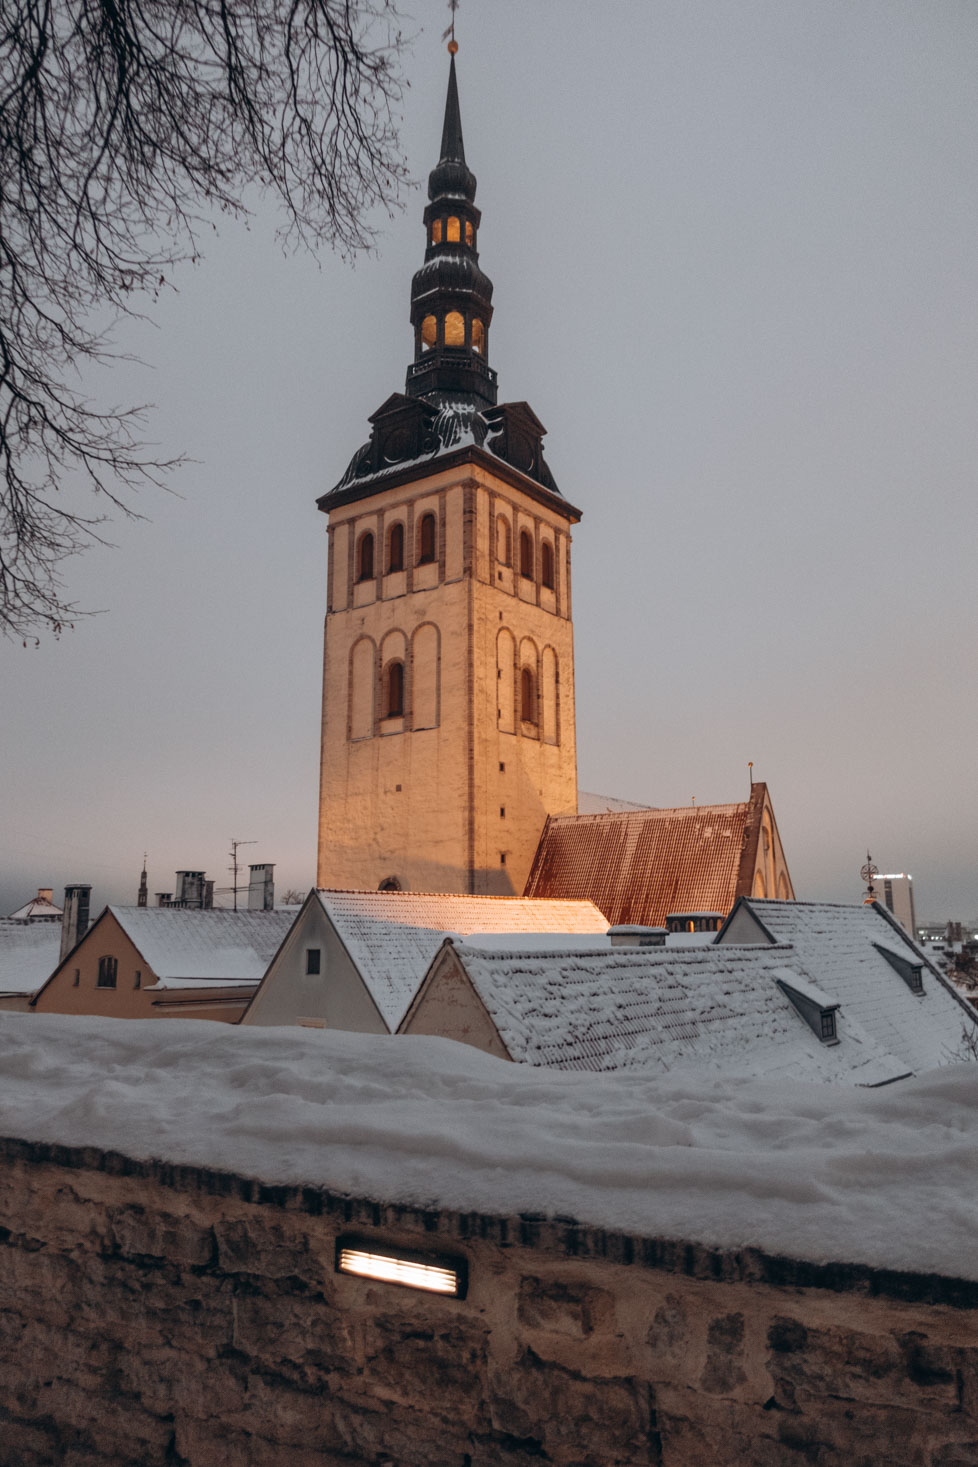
x,y
451,135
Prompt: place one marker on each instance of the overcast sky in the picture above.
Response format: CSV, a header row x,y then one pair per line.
x,y
734,256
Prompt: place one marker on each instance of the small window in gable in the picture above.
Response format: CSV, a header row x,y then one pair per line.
x,y
526,556
394,690
108,969
138,981
911,972
547,564
395,548
314,960
426,539
365,557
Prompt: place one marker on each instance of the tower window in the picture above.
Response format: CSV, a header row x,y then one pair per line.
x,y
365,558
394,690
504,542
395,548
429,332
453,231
547,564
469,234
426,539
436,231
478,336
454,328
108,969
526,556
528,696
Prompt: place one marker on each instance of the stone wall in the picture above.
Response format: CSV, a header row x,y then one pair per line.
x,y
152,1314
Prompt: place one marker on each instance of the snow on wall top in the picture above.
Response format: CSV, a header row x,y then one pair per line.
x,y
29,953
821,1172
835,944
657,1008
184,942
392,936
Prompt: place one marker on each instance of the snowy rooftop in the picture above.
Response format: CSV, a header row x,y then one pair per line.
x,y
835,944
659,1008
186,943
29,954
392,936
37,909
819,1172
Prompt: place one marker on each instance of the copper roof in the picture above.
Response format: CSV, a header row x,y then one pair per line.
x,y
639,865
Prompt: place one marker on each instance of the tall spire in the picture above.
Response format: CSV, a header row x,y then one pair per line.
x,y
451,135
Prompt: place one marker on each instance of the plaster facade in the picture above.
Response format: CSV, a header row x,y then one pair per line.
x,y
441,779
152,1313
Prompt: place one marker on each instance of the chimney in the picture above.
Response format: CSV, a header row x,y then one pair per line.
x,y
164,898
190,889
46,894
208,895
627,935
261,888
74,922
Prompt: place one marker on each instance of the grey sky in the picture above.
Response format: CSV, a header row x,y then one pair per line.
x,y
733,248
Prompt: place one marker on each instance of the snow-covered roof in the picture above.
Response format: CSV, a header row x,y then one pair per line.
x,y
591,804
392,936
835,944
819,1172
29,953
185,942
38,909
656,1008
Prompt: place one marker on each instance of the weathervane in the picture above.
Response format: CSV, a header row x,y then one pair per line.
x,y
452,44
867,873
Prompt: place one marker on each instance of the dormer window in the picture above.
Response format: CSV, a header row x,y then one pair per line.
x,y
429,333
814,1006
453,231
910,971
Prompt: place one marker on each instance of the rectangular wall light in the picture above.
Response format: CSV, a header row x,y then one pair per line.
x,y
435,1274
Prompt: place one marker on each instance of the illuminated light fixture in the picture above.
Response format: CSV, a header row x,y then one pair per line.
x,y
366,1259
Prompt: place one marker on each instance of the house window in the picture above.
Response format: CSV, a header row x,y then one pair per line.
x,y
108,969
828,1025
526,556
426,539
138,980
395,548
547,564
528,697
394,690
77,978
314,958
365,558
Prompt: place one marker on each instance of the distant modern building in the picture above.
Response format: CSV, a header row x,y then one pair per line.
x,y
895,891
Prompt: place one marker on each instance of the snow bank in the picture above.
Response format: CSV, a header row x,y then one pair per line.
x,y
884,1177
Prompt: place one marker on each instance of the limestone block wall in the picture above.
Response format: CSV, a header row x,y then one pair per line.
x,y
152,1314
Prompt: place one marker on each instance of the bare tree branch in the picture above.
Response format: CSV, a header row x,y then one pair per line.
x,y
123,125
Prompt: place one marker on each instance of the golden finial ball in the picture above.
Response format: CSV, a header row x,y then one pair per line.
x,y
452,47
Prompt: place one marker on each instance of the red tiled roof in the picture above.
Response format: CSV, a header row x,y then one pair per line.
x,y
639,865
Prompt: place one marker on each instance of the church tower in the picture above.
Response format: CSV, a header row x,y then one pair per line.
x,y
448,686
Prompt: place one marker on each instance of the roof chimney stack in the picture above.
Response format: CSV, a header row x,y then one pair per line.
x,y
261,888
628,935
74,922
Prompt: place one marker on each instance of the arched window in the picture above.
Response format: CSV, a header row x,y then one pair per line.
x,y
365,558
455,329
429,332
394,690
547,564
436,231
526,555
453,231
469,233
504,541
528,696
395,548
390,883
426,539
478,336
108,969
